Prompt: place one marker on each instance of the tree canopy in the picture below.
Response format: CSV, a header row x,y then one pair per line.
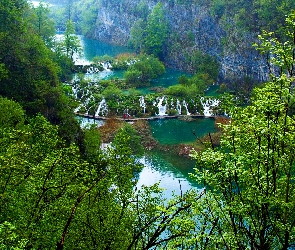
x,y
29,69
249,180
60,190
150,36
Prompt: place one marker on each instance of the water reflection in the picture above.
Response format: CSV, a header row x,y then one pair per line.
x,y
94,48
171,171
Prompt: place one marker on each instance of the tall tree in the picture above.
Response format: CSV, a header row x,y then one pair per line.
x,y
156,31
137,35
41,22
51,198
28,73
71,41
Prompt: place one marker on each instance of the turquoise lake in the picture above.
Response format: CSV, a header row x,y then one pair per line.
x,y
94,48
172,171
175,131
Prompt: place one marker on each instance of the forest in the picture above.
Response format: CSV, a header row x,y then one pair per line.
x,y
60,190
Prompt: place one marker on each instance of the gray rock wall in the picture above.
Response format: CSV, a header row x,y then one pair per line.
x,y
234,53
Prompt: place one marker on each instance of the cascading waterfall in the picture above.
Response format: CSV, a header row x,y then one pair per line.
x,y
83,105
102,108
142,103
172,104
92,70
208,105
178,107
106,66
162,108
185,105
75,91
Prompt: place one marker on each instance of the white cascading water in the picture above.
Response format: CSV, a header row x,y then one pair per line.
x,y
178,107
208,105
185,105
83,105
77,109
172,104
142,103
92,70
102,108
162,108
75,91
106,66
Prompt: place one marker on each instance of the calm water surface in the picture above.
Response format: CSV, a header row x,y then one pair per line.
x,y
94,48
170,170
175,131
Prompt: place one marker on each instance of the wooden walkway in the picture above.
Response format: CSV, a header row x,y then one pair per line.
x,y
142,118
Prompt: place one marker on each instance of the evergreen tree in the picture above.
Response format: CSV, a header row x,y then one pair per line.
x,y
28,73
156,31
71,41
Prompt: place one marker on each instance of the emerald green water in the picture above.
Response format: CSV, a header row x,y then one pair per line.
x,y
169,78
175,131
94,48
172,171
212,91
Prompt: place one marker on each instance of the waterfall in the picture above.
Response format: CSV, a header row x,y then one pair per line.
x,y
75,91
162,108
77,109
102,108
178,107
185,105
142,103
92,70
208,105
106,66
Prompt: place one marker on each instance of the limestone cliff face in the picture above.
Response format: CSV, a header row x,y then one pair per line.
x,y
191,28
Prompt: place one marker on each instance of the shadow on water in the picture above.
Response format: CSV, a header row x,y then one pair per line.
x,y
169,78
213,91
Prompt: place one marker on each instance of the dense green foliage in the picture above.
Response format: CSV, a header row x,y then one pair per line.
x,y
53,197
143,70
254,15
60,190
41,22
29,74
249,180
150,36
203,64
71,42
12,114
190,87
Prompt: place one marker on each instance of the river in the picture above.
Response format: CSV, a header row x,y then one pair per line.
x,y
172,171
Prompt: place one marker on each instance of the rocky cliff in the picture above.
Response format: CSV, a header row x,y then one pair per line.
x,y
192,28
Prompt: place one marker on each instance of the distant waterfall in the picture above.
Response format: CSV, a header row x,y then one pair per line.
x,y
102,108
208,105
142,103
185,105
162,108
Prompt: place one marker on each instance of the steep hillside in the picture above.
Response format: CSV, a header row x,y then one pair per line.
x,y
218,28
